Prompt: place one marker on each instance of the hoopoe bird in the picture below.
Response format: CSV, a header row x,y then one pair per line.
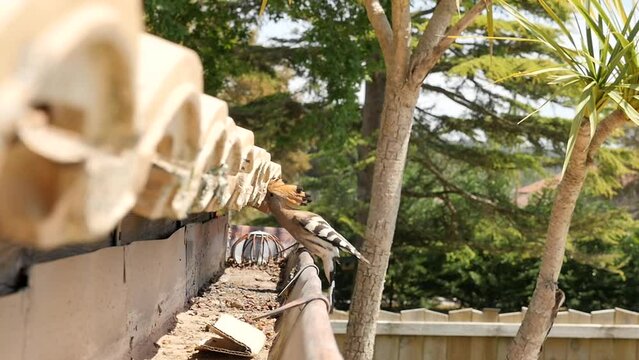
x,y
309,229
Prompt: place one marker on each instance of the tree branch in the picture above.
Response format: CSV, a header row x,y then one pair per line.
x,y
420,13
435,29
612,122
401,38
427,195
463,23
454,220
433,44
381,26
456,189
460,99
496,95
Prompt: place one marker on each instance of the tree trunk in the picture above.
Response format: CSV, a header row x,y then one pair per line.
x,y
371,116
405,73
543,306
392,147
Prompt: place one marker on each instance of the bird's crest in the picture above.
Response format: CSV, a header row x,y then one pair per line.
x,y
293,195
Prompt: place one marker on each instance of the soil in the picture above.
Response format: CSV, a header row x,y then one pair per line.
x,y
243,292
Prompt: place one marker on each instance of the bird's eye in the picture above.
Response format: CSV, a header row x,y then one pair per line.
x,y
271,194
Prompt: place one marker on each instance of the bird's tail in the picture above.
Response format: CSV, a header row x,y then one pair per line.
x,y
348,247
294,195
360,257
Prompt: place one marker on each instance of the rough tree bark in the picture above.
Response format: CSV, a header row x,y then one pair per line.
x,y
405,73
371,118
542,310
391,156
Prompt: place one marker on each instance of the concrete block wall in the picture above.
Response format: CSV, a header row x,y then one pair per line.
x,y
112,303
202,259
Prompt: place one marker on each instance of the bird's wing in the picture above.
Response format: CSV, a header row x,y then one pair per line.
x,y
317,226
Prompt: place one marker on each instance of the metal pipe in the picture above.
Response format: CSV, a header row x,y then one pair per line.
x,y
304,332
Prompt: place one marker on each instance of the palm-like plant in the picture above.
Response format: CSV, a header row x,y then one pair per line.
x,y
599,57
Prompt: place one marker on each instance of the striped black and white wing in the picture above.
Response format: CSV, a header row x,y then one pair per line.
x,y
316,225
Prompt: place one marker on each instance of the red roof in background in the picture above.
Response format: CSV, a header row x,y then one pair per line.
x,y
523,194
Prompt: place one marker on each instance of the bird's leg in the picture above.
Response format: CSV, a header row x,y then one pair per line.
x,y
331,288
298,247
329,270
295,244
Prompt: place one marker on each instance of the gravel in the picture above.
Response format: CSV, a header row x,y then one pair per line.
x,y
243,292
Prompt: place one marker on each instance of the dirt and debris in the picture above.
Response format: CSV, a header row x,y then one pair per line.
x,y
244,292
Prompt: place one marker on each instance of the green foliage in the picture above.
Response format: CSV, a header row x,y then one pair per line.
x,y
495,263
602,62
499,69
337,47
215,29
612,165
604,289
459,234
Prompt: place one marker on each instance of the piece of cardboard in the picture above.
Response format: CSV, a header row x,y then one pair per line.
x,y
235,337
